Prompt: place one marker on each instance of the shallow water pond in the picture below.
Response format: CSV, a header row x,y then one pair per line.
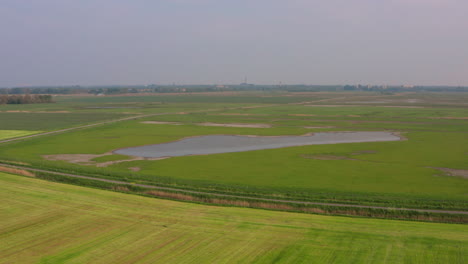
x,y
213,144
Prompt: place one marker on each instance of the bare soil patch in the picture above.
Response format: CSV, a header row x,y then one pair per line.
x,y
453,172
74,158
313,127
400,106
237,114
326,157
135,169
161,123
17,171
235,125
301,115
86,159
450,117
42,112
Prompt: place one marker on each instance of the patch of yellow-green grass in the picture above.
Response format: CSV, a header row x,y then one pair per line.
x,y
6,134
46,222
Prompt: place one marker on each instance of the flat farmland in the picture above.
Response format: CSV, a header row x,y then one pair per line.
x,y
50,121
423,170
46,222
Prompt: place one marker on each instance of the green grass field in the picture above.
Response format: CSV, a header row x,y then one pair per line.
x,y
5,134
50,121
392,173
46,222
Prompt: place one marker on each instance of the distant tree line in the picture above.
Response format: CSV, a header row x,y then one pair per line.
x,y
155,88
25,99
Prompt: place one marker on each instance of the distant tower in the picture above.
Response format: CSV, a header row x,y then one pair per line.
x,y
245,81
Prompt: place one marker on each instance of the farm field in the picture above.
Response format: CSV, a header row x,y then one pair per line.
x,y
424,170
46,222
50,121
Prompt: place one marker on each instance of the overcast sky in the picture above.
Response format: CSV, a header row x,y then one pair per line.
x,y
99,42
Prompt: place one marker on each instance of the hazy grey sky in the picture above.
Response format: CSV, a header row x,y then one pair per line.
x,y
54,42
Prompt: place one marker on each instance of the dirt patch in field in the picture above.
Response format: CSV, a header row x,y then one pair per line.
x,y
210,124
75,158
453,172
16,171
161,123
135,169
235,125
313,127
237,114
120,188
324,105
450,117
326,157
42,112
301,115
400,106
87,159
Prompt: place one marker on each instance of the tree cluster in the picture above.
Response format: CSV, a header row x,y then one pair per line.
x,y
25,99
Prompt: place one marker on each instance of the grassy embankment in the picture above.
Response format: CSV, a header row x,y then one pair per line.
x,y
44,222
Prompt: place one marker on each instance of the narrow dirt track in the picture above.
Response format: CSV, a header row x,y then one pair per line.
x,y
236,196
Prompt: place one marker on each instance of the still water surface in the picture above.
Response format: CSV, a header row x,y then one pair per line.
x,y
213,144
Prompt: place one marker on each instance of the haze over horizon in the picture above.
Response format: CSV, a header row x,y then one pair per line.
x,y
101,42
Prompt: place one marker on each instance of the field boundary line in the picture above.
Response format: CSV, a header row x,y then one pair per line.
x,y
236,196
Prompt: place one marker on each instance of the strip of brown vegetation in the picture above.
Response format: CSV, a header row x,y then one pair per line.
x,y
161,123
42,112
235,125
17,171
74,158
315,127
301,115
237,114
450,117
210,124
121,189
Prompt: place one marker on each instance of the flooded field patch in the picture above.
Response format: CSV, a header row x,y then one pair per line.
x,y
214,144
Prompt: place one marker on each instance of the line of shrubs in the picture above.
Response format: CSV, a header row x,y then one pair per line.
x,y
25,99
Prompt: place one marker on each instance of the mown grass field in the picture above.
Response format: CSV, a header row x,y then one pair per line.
x,y
46,222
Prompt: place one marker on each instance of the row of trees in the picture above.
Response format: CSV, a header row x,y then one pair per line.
x,y
154,88
26,99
